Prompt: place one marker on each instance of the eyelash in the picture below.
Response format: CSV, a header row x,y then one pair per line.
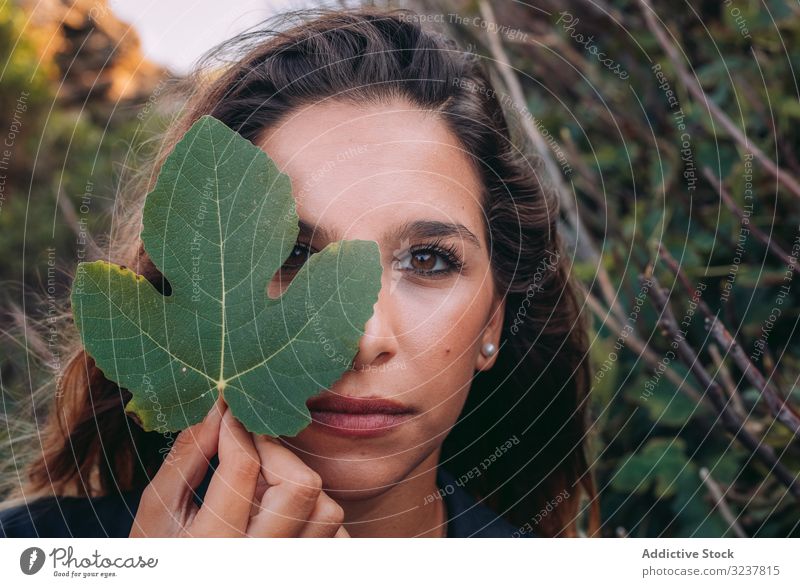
x,y
447,252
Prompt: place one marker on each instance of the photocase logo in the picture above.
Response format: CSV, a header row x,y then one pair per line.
x,y
31,560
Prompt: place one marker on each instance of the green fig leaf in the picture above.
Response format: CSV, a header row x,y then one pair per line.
x,y
219,224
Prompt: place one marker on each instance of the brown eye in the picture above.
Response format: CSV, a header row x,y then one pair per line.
x,y
429,261
423,261
299,255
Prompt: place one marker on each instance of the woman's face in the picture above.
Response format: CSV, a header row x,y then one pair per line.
x,y
398,176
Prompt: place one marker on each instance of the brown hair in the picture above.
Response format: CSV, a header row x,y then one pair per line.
x,y
533,402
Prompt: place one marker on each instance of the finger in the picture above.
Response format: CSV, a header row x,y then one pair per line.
x,y
261,487
342,533
325,520
226,505
292,493
187,462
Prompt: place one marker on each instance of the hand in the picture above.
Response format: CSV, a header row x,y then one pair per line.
x,y
259,489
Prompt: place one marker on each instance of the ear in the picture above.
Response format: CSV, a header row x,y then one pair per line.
x,y
491,333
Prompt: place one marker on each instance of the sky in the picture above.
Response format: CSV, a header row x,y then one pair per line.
x,y
175,33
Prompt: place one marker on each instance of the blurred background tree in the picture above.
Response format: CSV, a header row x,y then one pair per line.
x,y
79,104
669,132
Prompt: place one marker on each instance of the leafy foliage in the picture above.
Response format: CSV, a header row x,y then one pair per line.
x,y
648,164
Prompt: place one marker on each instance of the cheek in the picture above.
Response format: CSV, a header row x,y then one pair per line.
x,y
441,327
440,345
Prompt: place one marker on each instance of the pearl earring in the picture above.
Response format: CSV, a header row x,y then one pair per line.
x,y
489,349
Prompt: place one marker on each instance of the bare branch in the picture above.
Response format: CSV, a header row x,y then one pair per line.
x,y
719,500
778,406
770,243
783,411
730,420
642,350
728,384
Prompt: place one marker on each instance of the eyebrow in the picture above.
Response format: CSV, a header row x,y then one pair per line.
x,y
424,229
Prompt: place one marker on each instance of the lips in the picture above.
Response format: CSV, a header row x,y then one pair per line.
x,y
356,405
357,417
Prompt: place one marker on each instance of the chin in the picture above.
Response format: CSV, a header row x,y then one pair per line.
x,y
353,481
353,470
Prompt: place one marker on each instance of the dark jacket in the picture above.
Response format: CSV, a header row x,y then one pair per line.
x,y
112,515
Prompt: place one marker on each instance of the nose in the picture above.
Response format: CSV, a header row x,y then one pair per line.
x,y
378,345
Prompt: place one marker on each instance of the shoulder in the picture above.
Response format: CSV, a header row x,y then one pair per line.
x,y
467,518
67,517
